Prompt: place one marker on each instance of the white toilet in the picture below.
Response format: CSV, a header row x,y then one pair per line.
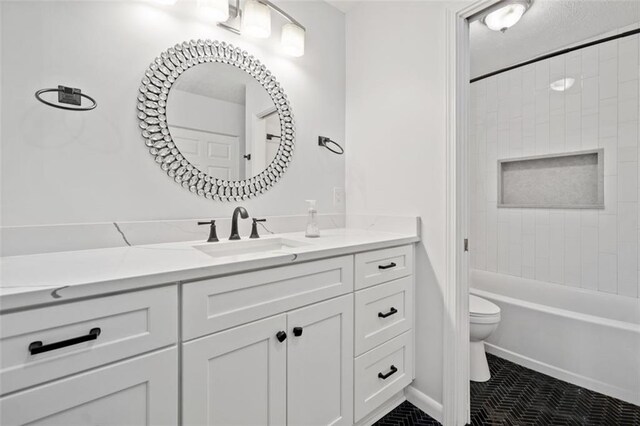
x,y
484,317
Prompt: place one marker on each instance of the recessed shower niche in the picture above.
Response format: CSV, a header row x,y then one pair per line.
x,y
572,180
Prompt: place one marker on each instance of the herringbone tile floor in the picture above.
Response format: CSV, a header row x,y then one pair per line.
x,y
518,396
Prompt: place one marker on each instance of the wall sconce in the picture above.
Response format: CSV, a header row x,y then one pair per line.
x,y
255,20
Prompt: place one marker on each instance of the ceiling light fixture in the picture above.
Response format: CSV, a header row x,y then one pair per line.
x,y
562,84
505,14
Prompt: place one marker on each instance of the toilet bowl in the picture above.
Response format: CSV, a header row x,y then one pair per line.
x,y
484,317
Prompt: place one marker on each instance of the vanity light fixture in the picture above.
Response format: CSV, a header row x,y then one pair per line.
x,y
254,19
164,2
214,10
505,14
562,84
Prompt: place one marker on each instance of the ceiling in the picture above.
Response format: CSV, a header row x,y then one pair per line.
x,y
547,26
215,80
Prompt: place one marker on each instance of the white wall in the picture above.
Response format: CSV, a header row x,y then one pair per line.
x,y
70,167
516,114
396,145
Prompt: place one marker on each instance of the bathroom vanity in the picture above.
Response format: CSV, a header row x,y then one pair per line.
x,y
281,330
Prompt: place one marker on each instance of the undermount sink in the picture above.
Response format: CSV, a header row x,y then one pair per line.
x,y
233,248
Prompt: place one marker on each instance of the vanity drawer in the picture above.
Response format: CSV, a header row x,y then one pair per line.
x,y
220,303
381,373
383,312
375,267
128,324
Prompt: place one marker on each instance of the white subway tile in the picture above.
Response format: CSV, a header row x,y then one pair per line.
x,y
610,195
607,234
528,250
542,241
608,273
556,247
515,260
542,138
628,58
608,118
627,222
628,182
628,133
542,75
590,131
628,268
589,257
503,247
590,61
542,269
610,145
608,79
628,110
590,96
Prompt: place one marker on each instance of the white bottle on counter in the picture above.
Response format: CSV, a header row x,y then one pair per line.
x,y
312,221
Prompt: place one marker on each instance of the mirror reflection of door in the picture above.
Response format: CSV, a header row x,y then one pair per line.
x,y
213,153
265,139
218,117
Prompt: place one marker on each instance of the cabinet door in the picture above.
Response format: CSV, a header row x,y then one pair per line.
x,y
140,391
320,364
236,377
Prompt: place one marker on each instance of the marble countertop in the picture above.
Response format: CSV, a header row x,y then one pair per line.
x,y
36,279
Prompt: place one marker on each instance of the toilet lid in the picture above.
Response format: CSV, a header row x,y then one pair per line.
x,y
479,306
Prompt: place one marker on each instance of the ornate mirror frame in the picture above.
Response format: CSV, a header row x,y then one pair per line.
x,y
152,103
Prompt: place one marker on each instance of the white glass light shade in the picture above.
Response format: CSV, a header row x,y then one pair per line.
x,y
505,17
164,2
292,41
256,21
214,10
562,84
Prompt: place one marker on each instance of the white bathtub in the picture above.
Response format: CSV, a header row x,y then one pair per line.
x,y
588,338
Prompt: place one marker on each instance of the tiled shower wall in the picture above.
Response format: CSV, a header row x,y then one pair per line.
x,y
516,114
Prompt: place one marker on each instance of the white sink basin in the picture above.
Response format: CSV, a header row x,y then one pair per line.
x,y
234,248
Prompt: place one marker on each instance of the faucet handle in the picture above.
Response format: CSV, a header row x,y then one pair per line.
x,y
213,236
254,227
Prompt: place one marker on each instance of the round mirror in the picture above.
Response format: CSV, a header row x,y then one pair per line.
x,y
216,120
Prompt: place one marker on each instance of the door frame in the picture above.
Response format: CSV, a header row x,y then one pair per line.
x,y
455,386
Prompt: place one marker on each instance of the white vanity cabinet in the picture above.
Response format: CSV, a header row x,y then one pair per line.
x,y
292,368
111,360
322,342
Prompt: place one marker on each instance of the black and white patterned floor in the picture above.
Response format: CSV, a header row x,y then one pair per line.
x,y
516,395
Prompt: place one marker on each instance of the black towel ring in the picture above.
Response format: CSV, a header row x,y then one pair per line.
x,y
67,95
324,141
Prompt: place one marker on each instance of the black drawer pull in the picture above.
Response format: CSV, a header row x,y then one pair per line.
x,y
388,314
297,331
393,369
281,336
38,347
391,265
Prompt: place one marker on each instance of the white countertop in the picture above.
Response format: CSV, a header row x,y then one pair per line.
x,y
37,279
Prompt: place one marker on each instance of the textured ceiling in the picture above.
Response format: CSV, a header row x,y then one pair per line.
x,y
547,26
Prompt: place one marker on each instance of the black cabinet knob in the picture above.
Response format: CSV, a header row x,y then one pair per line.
x,y
297,331
281,336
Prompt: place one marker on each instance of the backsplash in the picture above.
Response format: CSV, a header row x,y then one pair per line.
x,y
516,114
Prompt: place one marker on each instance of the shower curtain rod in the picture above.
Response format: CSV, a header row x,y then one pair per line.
x,y
557,53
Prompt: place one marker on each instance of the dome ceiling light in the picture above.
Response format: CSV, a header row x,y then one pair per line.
x,y
505,14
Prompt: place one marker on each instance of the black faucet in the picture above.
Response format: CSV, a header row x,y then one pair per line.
x,y
254,227
234,222
212,231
